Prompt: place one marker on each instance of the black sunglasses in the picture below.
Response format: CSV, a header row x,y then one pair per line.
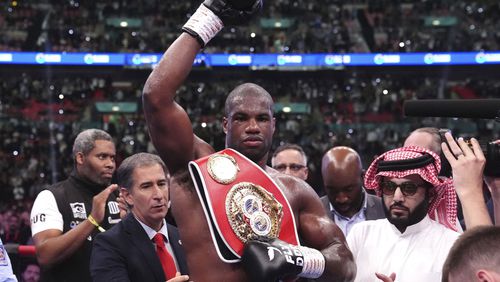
x,y
407,188
293,167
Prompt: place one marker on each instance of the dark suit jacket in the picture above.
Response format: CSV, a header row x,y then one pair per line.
x,y
125,253
374,209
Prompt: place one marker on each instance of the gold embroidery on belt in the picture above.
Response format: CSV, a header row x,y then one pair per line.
x,y
252,211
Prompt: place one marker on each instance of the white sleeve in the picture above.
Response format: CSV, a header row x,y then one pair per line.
x,y
6,273
45,214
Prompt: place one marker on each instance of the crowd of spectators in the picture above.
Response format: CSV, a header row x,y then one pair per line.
x,y
284,26
40,118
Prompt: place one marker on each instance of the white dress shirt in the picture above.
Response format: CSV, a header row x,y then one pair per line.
x,y
151,233
416,255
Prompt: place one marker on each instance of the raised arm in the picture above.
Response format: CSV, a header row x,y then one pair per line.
x,y
169,126
53,246
467,164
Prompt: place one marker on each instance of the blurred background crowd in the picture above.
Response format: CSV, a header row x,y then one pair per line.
x,y
285,26
42,112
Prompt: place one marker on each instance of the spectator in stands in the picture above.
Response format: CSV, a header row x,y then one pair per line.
x,y
30,273
408,245
475,256
346,200
290,159
67,215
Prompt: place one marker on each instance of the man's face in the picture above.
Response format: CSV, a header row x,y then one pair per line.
x,y
343,188
98,165
401,210
31,274
249,127
148,196
290,162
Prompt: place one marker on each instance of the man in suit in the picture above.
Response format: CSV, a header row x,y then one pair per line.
x,y
346,200
142,247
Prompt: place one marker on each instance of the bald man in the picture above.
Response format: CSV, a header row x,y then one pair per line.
x,y
346,200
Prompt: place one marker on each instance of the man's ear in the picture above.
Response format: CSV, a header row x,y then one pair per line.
x,y
224,124
129,200
484,276
79,158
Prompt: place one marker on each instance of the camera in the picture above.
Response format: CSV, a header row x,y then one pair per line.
x,y
492,154
491,151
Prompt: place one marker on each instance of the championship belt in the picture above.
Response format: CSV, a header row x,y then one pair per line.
x,y
241,202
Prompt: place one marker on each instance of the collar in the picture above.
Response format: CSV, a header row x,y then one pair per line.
x,y
361,210
412,229
85,184
151,232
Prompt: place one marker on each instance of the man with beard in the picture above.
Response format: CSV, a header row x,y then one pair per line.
x,y
408,245
346,200
208,228
67,215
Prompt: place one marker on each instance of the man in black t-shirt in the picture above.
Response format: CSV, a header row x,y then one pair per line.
x,y
67,215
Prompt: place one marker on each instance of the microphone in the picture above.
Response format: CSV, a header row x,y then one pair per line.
x,y
470,108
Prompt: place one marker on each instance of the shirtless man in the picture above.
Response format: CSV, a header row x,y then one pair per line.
x,y
249,126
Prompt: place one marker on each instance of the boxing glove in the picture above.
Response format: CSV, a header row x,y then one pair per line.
x,y
271,260
213,15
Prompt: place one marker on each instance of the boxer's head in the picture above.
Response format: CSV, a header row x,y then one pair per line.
x,y
249,122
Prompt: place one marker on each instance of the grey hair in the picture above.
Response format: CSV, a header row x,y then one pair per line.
x,y
85,141
126,169
288,146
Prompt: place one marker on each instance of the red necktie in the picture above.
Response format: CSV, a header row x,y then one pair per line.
x,y
167,262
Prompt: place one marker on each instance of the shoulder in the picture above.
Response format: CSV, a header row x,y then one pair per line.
x,y
59,189
113,235
444,231
289,182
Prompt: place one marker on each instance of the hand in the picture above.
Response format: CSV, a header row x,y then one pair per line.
x,y
179,278
270,259
122,205
99,202
234,12
385,278
213,15
467,165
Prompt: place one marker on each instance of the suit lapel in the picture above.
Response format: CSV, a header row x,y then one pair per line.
x,y
138,237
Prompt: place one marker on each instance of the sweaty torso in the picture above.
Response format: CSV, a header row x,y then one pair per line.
x,y
203,262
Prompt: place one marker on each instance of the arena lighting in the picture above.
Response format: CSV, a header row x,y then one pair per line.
x,y
318,60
